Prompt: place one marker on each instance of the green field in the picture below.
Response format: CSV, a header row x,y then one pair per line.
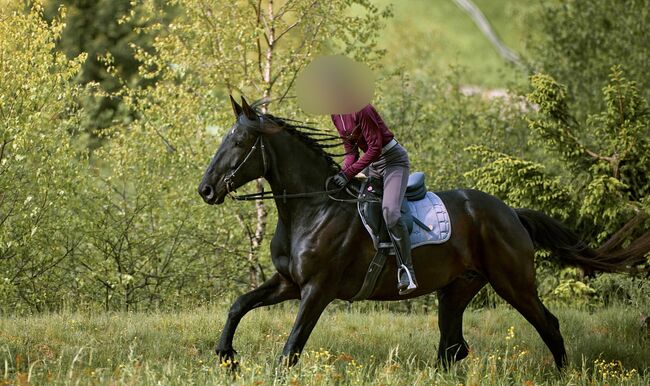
x,y
349,346
440,36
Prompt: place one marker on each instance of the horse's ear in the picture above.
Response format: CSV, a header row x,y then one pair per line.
x,y
235,107
248,110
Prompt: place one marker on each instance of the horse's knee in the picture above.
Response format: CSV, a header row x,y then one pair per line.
x,y
237,308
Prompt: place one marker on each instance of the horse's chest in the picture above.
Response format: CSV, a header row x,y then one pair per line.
x,y
314,250
282,264
302,257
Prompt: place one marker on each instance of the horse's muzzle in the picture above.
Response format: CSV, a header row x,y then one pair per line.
x,y
209,194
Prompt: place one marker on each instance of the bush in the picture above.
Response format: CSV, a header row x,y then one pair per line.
x,y
40,168
581,40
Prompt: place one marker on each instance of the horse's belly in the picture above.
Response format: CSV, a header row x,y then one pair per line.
x,y
435,267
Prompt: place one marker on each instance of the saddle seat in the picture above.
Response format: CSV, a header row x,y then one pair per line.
x,y
416,189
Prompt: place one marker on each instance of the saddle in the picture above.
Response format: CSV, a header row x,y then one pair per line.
x,y
423,212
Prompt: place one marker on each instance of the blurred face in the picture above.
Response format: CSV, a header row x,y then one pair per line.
x,y
334,85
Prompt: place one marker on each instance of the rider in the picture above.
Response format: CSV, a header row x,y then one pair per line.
x,y
338,86
386,159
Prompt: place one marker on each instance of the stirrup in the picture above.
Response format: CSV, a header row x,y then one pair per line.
x,y
411,286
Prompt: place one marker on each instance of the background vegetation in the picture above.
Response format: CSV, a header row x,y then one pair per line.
x,y
110,111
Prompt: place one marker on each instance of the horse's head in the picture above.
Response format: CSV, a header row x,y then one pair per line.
x,y
241,157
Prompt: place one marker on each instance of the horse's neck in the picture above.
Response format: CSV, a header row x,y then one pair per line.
x,y
295,168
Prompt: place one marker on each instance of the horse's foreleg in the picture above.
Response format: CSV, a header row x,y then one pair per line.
x,y
452,301
313,303
275,290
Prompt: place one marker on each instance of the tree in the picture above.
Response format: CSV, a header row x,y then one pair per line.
x,y
581,40
601,186
256,48
101,28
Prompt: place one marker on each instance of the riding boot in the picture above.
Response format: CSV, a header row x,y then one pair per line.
x,y
405,272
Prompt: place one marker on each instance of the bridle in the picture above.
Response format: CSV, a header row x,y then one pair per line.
x,y
266,195
228,179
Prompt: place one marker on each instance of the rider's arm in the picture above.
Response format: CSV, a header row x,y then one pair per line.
x,y
372,134
351,153
349,144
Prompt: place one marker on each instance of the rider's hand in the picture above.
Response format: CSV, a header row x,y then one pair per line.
x,y
340,179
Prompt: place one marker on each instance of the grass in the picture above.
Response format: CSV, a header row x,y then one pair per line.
x,y
348,347
426,37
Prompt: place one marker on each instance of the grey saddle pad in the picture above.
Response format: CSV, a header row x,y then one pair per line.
x,y
431,223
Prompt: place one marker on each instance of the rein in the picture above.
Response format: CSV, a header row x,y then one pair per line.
x,y
266,195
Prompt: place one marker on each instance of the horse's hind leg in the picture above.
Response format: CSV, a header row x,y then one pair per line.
x,y
452,301
513,278
546,324
275,290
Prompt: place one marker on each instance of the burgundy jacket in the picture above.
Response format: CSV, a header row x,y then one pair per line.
x,y
363,130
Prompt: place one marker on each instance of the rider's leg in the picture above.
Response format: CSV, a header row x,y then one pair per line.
x,y
394,167
395,181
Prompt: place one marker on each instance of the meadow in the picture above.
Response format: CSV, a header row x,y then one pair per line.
x,y
350,345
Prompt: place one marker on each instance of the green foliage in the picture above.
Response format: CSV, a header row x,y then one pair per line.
x,y
149,242
601,166
39,168
99,29
581,40
222,48
435,120
521,182
614,290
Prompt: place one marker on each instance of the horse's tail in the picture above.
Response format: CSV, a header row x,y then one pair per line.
x,y
548,233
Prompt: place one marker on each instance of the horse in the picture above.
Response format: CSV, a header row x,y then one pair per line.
x,y
321,250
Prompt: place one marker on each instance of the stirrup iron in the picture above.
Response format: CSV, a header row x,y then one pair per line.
x,y
411,286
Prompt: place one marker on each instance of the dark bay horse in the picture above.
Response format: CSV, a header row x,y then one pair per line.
x,y
321,250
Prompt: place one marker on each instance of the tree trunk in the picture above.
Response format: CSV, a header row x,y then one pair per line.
x,y
256,274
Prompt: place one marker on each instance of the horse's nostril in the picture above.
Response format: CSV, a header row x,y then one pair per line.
x,y
207,191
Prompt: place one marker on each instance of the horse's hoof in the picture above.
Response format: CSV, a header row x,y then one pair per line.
x,y
227,358
288,360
